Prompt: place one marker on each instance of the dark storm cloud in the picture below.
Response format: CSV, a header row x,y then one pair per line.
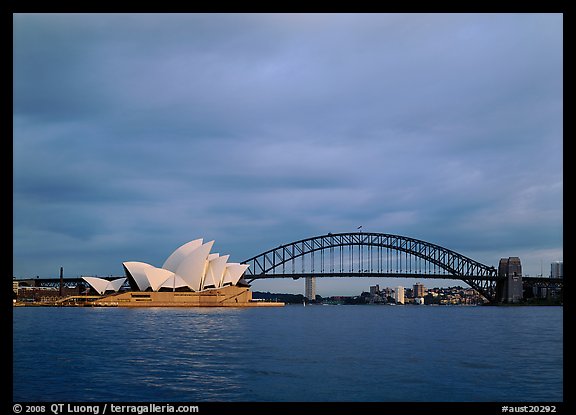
x,y
134,133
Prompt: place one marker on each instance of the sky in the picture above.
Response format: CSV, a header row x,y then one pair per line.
x,y
136,133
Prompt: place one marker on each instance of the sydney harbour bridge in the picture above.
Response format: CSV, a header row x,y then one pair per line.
x,y
367,254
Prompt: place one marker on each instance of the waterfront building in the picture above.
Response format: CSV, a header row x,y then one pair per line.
x,y
418,290
399,295
191,267
190,277
557,269
387,293
310,289
27,294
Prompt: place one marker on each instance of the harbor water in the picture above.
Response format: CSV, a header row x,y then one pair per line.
x,y
315,353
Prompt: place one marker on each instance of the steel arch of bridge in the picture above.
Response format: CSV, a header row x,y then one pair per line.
x,y
364,254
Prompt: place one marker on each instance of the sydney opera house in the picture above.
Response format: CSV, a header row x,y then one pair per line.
x,y
190,277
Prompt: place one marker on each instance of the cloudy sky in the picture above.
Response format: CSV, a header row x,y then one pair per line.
x,y
136,133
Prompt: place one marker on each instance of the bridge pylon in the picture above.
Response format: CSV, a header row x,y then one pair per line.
x,y
509,289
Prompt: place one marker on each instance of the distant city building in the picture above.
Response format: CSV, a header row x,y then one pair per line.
x,y
557,269
310,292
374,290
399,295
418,290
44,294
387,292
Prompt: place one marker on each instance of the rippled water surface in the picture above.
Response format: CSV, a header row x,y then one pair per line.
x,y
294,353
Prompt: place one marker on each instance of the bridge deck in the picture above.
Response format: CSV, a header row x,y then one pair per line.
x,y
369,275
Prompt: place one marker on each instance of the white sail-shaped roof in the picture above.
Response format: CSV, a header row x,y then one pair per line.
x,y
138,272
115,284
102,285
174,260
99,284
173,282
157,277
210,258
215,272
192,268
233,273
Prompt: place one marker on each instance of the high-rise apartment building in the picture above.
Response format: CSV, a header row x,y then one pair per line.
x,y
310,291
557,269
399,295
418,290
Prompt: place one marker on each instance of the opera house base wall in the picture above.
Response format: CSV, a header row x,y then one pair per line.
x,y
231,296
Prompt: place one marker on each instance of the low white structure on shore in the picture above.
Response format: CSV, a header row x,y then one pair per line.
x,y
103,286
